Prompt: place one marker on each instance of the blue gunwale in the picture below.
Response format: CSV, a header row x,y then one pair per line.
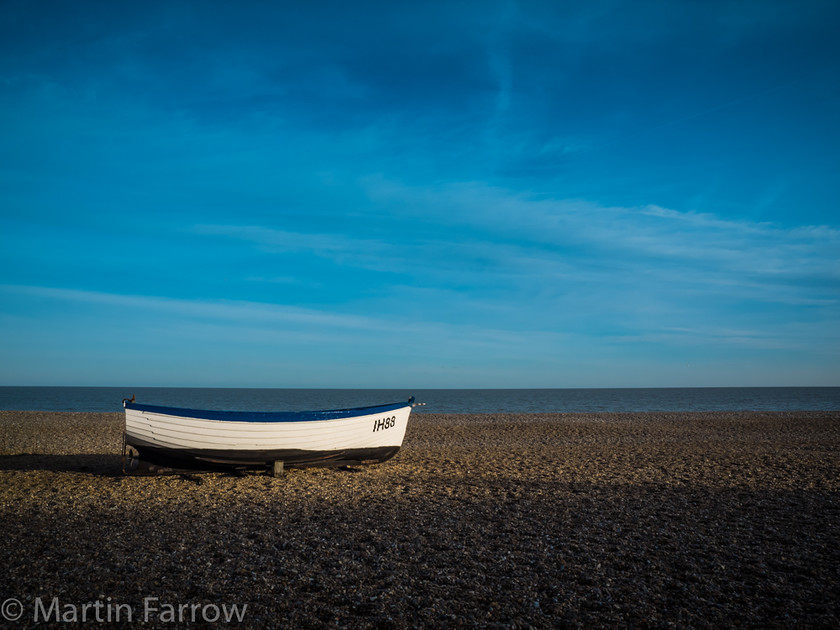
x,y
265,416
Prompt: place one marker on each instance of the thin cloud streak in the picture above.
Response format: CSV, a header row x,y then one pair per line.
x,y
242,312
269,317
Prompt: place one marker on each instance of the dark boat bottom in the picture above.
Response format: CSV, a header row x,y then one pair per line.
x,y
150,460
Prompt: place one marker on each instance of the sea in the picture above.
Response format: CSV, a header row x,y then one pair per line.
x,y
109,399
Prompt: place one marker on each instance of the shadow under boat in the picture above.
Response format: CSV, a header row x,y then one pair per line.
x,y
162,462
118,466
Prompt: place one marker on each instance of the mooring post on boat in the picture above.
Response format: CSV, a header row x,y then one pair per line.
x,y
277,469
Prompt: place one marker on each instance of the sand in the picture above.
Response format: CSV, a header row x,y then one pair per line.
x,y
700,520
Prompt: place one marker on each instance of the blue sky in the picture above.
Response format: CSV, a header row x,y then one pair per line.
x,y
435,194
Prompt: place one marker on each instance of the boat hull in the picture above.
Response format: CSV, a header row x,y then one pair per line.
x,y
184,437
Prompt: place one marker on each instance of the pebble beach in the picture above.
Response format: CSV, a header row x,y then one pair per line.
x,y
636,520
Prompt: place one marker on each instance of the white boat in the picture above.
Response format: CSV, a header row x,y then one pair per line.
x,y
172,436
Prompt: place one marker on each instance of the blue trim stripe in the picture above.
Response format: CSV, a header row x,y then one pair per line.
x,y
265,416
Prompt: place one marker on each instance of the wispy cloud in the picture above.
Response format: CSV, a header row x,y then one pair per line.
x,y
284,336
243,312
271,239
698,246
513,265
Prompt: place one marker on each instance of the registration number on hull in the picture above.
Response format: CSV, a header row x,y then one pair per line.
x,y
384,423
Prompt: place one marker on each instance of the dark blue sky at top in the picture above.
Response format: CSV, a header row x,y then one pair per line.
x,y
430,194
